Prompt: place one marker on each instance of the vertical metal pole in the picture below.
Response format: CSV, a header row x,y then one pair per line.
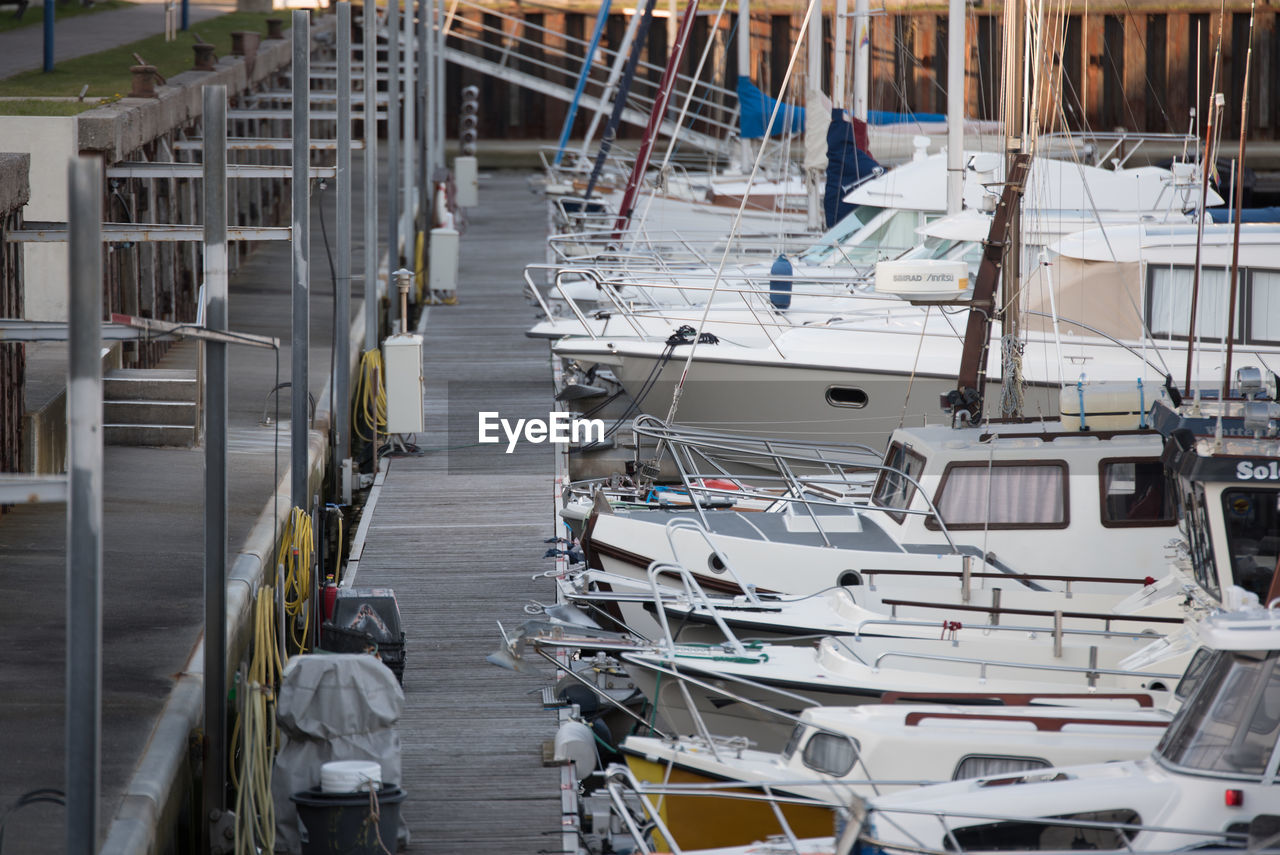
x,y
439,84
393,136
84,510
861,58
215,453
426,122
186,14
744,68
48,35
342,300
955,106
370,176
301,346
838,66
409,122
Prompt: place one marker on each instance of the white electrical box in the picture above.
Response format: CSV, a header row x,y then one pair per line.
x,y
443,260
402,362
466,179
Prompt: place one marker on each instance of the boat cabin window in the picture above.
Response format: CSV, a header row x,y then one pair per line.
x,y
830,753
1169,302
1102,829
1264,307
1252,521
1003,495
797,735
892,490
839,233
1231,722
1195,670
1134,494
1196,524
987,765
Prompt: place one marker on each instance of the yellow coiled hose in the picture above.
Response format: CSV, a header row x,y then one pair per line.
x,y
370,397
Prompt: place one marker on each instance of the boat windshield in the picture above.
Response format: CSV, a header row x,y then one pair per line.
x,y
1252,520
1230,725
839,233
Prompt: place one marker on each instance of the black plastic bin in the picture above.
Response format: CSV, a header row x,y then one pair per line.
x,y
342,823
372,613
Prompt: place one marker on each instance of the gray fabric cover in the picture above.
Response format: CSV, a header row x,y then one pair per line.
x,y
332,707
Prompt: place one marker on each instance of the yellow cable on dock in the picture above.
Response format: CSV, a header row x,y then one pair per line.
x,y
254,738
370,397
297,550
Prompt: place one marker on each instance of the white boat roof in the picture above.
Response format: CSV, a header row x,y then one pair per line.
x,y
1022,440
1249,629
1174,243
916,185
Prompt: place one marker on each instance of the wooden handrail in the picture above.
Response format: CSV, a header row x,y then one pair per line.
x,y
1052,724
1020,699
1014,577
1034,612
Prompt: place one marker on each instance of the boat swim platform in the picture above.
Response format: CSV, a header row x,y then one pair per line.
x,y
457,531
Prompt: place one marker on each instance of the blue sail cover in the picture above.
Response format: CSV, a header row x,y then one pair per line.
x,y
755,108
847,166
886,117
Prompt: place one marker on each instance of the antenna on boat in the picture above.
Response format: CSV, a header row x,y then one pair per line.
x,y
1237,173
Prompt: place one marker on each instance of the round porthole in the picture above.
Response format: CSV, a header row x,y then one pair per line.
x,y
715,563
846,396
850,578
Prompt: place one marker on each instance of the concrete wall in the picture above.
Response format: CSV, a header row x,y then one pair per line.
x,y
50,141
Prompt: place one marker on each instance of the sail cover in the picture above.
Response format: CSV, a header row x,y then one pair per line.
x,y
848,164
755,108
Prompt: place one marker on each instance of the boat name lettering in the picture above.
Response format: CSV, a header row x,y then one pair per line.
x,y
556,427
920,277
1246,471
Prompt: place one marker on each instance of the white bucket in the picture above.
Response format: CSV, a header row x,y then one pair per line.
x,y
350,776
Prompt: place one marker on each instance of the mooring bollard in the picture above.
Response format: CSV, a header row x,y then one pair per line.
x,y
143,81
205,57
244,43
275,28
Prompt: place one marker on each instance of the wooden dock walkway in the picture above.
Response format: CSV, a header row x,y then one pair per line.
x,y
458,534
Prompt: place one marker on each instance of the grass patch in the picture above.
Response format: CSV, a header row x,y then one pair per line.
x,y
34,16
107,72
36,107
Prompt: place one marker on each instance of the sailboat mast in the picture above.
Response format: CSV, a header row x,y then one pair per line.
x,y
743,45
665,86
955,106
1017,126
814,175
861,57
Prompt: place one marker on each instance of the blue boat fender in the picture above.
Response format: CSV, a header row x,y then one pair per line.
x,y
780,289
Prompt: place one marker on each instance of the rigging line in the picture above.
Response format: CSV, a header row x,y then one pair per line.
x,y
1209,157
1237,192
911,378
1151,89
737,220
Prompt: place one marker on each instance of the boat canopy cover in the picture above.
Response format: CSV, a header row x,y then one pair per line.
x,y
887,117
1247,215
848,164
756,108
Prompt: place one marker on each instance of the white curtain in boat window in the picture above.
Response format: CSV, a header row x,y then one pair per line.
x,y
983,766
1264,315
1170,301
1023,494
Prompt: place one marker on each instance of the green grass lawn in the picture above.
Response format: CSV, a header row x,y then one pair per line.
x,y
34,15
107,72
